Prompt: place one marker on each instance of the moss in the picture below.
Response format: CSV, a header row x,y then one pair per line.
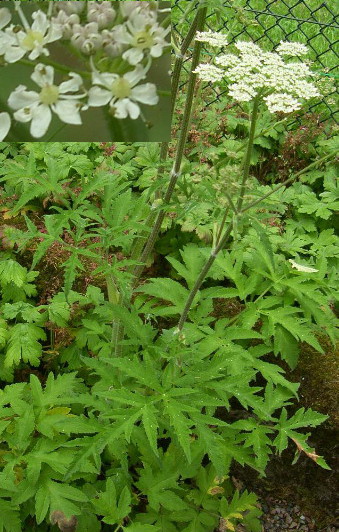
x,y
318,375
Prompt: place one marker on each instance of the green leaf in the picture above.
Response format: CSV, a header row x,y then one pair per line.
x,y
23,344
106,503
12,272
58,312
71,265
181,425
166,290
28,312
287,345
3,333
150,423
53,496
286,427
42,503
233,511
24,428
9,517
87,522
193,262
155,485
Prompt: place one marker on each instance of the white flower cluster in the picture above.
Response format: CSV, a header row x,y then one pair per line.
x,y
283,84
217,40
129,31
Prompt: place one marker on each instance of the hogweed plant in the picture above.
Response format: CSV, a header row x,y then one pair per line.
x,y
116,44
153,396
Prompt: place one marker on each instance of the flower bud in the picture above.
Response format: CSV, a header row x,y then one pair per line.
x,y
103,14
71,7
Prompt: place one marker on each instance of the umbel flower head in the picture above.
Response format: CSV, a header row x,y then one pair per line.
x,y
283,84
37,107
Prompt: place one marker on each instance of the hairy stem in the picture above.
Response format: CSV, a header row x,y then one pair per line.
x,y
140,238
201,17
247,160
180,59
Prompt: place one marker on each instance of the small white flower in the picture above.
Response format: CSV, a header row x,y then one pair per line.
x,y
37,107
227,60
306,90
248,48
242,92
217,40
33,39
292,48
281,102
142,35
302,268
122,92
208,72
5,124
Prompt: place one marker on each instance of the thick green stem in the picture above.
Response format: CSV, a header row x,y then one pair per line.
x,y
140,239
201,17
180,59
222,225
247,160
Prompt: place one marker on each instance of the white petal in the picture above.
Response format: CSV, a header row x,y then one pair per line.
x,y
156,50
72,85
21,98
302,268
37,51
67,111
135,75
41,23
126,107
104,78
41,119
133,56
13,54
98,97
5,17
145,94
43,75
121,35
25,114
5,124
54,33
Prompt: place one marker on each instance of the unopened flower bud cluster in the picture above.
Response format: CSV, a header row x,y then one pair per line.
x,y
281,81
129,31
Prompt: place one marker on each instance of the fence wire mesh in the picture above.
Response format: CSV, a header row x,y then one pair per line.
x,y
265,22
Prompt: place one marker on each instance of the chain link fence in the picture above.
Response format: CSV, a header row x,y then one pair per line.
x,y
265,22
